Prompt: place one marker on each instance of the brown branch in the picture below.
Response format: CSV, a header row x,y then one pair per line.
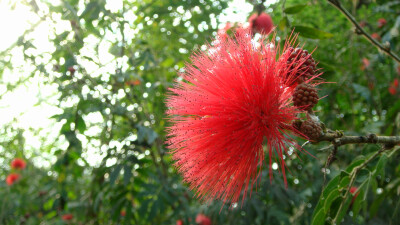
x,y
360,30
338,139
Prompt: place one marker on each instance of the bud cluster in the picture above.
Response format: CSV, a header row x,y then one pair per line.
x,y
305,95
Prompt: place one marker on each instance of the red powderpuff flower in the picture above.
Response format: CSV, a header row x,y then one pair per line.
x,y
365,64
376,36
67,217
392,90
18,163
12,178
179,222
231,102
202,219
261,23
381,22
396,83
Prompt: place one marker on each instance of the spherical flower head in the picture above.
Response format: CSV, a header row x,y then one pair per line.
x,y
179,222
202,219
12,178
395,82
67,217
392,90
18,163
261,23
376,36
232,105
381,22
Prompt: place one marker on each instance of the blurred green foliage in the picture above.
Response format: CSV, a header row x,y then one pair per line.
x,y
115,107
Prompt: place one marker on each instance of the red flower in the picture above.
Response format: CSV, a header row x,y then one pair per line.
x,y
123,213
12,178
179,222
392,90
376,36
18,163
396,83
133,82
381,22
352,191
366,64
230,103
67,217
261,23
202,219
393,86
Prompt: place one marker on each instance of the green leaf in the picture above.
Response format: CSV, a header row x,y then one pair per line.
x,y
363,175
373,210
115,173
393,110
144,207
90,8
340,214
319,218
380,167
312,33
283,23
331,197
154,209
332,185
358,203
356,162
294,9
344,182
51,214
80,124
127,174
48,205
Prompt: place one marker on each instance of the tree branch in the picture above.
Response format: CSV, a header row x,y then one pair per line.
x,y
338,139
360,30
